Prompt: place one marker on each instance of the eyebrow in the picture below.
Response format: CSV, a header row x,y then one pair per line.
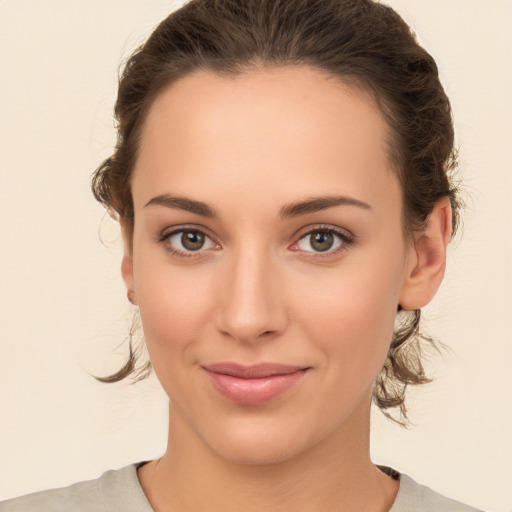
x,y
310,205
317,204
183,203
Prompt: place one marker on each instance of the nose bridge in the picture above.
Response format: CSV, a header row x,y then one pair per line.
x,y
251,304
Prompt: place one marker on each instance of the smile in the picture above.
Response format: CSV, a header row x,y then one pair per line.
x,y
253,385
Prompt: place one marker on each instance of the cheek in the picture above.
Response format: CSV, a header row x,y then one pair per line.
x,y
174,308
351,316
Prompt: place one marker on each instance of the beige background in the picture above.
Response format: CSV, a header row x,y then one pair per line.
x,y
62,303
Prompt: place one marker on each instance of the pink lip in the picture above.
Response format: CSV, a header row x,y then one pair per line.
x,y
253,385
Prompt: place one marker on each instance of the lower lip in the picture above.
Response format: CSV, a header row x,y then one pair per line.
x,y
253,391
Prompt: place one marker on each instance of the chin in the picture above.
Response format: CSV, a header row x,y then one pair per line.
x,y
259,441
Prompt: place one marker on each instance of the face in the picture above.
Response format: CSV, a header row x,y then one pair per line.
x,y
268,258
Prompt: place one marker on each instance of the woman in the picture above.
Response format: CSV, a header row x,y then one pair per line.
x,y
282,183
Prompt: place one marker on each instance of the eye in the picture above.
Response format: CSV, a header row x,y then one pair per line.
x,y
185,242
323,240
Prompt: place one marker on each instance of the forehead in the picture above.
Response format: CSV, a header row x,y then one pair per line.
x,y
264,130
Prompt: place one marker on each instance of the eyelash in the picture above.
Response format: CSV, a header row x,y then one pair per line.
x,y
346,241
166,236
344,237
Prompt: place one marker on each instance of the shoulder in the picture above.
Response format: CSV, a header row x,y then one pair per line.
x,y
114,490
80,497
413,496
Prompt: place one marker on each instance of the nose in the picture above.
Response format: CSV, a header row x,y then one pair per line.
x,y
251,305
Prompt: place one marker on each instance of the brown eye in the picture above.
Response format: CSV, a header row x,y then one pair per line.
x,y
192,240
186,241
321,240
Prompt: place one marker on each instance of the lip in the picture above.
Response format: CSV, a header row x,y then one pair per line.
x,y
254,384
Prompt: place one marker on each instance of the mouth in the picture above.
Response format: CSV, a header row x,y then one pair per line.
x,y
255,384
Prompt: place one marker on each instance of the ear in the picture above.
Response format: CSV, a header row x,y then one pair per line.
x,y
428,258
127,261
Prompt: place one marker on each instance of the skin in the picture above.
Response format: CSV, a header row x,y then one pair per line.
x,y
260,291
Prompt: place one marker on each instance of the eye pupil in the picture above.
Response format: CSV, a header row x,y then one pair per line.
x,y
322,241
192,240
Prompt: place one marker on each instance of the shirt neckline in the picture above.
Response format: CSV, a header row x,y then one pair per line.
x,y
113,485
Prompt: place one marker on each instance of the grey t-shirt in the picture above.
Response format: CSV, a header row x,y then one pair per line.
x,y
120,491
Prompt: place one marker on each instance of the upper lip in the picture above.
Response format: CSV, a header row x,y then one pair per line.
x,y
256,371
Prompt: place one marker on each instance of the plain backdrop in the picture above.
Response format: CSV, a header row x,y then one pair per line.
x,y
63,306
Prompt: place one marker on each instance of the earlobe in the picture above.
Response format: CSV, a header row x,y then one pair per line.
x,y
127,261
428,259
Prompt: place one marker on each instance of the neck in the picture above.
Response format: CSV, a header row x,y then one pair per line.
x,y
335,474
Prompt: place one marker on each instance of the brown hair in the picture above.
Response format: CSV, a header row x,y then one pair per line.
x,y
362,43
